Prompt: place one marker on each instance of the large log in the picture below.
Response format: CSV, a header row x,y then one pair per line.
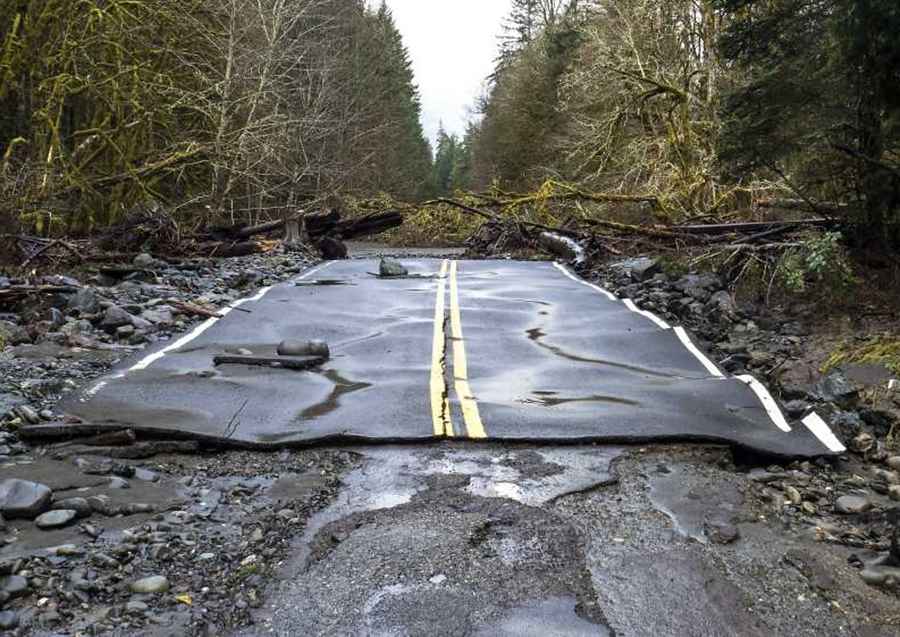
x,y
374,223
317,224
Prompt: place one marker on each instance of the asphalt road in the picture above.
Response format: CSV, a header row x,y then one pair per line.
x,y
481,350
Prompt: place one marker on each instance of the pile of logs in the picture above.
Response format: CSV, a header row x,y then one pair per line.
x,y
325,231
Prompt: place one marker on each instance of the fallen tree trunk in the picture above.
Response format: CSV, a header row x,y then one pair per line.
x,y
234,249
374,223
752,226
821,207
561,246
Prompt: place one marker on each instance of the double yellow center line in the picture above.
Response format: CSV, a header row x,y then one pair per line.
x,y
440,405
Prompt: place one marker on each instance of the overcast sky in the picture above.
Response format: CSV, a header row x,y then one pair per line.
x,y
453,45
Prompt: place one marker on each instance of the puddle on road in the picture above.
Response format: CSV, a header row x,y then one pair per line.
x,y
390,476
342,387
322,282
556,617
691,501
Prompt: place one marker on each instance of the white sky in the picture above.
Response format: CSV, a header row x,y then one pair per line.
x,y
453,45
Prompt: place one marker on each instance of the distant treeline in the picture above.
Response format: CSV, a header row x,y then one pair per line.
x,y
701,103
208,106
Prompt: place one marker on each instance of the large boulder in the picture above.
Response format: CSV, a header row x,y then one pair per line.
x,y
698,286
8,402
391,268
836,388
638,269
115,317
12,334
84,301
23,499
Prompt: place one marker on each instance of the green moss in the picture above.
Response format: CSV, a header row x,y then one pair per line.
x,y
674,266
876,351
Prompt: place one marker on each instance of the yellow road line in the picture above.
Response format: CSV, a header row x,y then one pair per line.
x,y
440,404
472,418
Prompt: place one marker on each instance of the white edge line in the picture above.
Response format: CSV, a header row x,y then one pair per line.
x,y
650,315
813,422
145,362
564,270
767,401
823,432
700,356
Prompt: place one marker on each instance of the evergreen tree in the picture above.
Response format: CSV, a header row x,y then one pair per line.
x,y
820,103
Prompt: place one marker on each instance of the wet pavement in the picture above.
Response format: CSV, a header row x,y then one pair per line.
x,y
559,541
496,350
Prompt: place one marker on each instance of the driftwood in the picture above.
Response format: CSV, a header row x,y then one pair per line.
x,y
235,249
193,310
753,226
561,246
16,293
137,451
821,207
297,363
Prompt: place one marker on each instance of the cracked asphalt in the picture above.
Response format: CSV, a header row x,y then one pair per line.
x,y
560,541
483,522
479,350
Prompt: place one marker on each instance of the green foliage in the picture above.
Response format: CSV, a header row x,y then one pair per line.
x,y
883,350
821,261
816,100
452,169
209,105
513,143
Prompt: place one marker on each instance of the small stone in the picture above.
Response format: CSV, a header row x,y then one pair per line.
x,y
145,475
153,584
891,477
23,499
894,492
303,348
28,414
862,443
124,331
893,462
391,268
55,519
100,504
851,504
135,606
13,585
133,508
793,495
80,505
438,579
9,619
115,482
66,550
881,576
722,532
808,508
257,536
144,260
